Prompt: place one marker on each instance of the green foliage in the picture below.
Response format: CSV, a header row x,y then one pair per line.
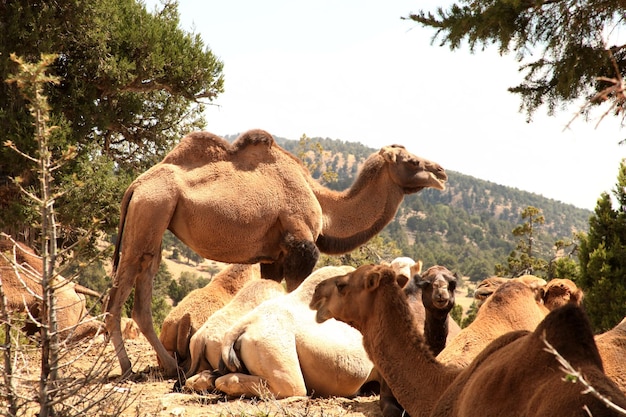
x,y
131,84
373,252
471,315
523,259
457,313
563,45
187,282
602,256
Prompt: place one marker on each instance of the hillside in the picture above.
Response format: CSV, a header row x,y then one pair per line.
x,y
467,227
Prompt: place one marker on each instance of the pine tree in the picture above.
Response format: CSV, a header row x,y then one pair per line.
x,y
565,48
602,257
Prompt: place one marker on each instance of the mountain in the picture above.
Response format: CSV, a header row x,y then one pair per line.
x,y
467,227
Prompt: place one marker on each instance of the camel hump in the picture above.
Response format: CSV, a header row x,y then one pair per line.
x,y
198,148
568,329
253,137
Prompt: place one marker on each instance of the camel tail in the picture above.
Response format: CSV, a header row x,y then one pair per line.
x,y
185,331
128,195
230,361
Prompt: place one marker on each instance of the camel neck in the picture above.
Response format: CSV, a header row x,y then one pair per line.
x,y
354,216
436,331
400,353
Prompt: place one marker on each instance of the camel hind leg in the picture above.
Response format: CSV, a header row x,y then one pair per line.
x,y
142,314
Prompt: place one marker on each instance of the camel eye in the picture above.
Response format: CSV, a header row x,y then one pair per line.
x,y
452,285
341,287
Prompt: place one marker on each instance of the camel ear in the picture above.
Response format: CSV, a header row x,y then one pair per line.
x,y
388,154
577,297
417,268
402,280
372,281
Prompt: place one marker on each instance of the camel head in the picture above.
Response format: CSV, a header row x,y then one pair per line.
x,y
489,285
411,172
559,292
348,298
438,285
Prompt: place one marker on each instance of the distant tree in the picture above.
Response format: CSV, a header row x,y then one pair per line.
x,y
523,259
602,256
566,48
374,251
311,152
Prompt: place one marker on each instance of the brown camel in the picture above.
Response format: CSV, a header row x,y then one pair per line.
x,y
248,202
612,347
515,305
20,276
431,296
514,375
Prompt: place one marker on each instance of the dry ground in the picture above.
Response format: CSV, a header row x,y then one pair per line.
x,y
155,396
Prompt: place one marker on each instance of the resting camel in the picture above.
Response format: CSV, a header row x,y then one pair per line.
x,y
488,285
286,352
205,347
560,291
513,376
515,305
247,202
612,347
23,294
197,306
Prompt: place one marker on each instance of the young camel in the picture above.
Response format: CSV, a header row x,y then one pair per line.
x,y
195,308
514,375
210,193
205,347
285,352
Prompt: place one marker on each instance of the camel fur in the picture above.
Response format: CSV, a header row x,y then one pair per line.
x,y
516,304
205,347
560,291
514,375
20,276
195,308
612,347
247,202
431,315
287,353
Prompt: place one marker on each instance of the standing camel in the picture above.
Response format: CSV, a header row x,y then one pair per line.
x,y
247,202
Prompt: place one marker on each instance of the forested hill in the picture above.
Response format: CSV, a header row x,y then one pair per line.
x,y
468,226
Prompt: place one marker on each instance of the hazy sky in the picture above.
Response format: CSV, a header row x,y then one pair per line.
x,y
353,70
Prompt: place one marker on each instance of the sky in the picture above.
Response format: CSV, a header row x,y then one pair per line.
x,y
354,70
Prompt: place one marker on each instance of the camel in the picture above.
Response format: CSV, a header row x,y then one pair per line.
x,y
205,347
560,291
514,375
430,297
196,307
515,305
612,347
488,285
286,352
20,276
247,202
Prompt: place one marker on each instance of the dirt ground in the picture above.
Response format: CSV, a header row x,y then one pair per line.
x,y
154,396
